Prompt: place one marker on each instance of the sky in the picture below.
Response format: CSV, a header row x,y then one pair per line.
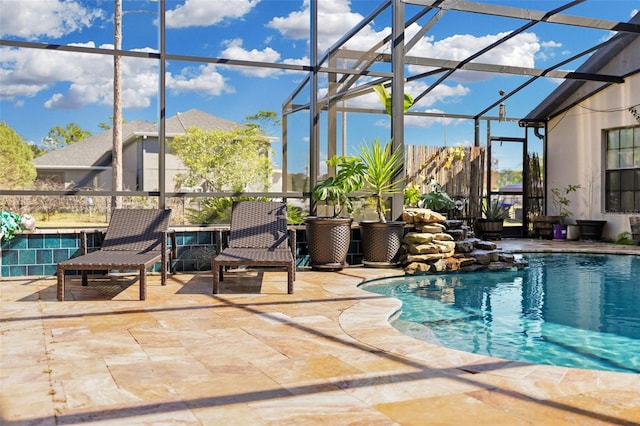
x,y
41,89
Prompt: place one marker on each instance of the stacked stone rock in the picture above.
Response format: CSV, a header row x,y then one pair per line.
x,y
436,244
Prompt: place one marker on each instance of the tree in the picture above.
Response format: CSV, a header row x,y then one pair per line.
x,y
264,120
37,150
16,168
62,136
224,160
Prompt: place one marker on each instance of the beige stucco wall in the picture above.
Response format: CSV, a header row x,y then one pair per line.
x,y
576,150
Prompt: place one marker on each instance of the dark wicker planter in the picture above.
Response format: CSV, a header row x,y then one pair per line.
x,y
634,224
489,229
381,243
543,226
328,240
591,230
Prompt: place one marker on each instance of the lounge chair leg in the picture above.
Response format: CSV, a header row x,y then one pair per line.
x,y
163,268
60,284
290,279
216,279
143,283
85,279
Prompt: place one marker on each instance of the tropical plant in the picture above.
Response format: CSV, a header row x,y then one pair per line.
x,y
624,238
385,98
336,190
294,215
10,223
411,195
382,173
438,199
560,200
495,210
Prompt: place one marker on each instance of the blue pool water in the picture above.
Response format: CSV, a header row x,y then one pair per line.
x,y
574,310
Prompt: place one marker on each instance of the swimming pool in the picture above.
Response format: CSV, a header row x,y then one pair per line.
x,y
574,310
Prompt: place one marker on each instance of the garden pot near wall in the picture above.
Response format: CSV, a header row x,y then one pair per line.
x,y
328,240
573,232
381,243
634,223
543,226
489,229
591,230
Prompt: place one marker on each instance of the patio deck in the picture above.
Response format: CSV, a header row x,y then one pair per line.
x,y
325,355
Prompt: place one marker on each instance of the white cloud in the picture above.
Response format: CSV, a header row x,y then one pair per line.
x,y
203,79
551,44
235,50
202,13
89,78
335,16
27,72
50,18
427,121
518,51
299,61
440,93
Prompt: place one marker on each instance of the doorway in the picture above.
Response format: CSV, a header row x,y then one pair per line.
x,y
506,174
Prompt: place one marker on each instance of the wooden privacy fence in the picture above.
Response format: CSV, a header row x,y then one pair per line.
x,y
464,180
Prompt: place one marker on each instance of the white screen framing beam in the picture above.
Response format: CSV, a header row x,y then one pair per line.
x,y
529,15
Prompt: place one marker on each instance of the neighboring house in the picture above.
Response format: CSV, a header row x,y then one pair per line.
x,y
87,164
593,136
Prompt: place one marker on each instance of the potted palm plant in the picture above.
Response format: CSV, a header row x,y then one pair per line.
x,y
381,239
329,236
490,226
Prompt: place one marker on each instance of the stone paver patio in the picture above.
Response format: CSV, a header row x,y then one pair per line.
x,y
254,355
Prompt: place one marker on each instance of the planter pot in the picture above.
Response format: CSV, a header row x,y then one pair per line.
x,y
543,226
328,240
634,223
573,232
591,230
381,243
559,232
489,229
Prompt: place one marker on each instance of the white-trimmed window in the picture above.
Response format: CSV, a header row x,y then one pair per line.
x,y
622,178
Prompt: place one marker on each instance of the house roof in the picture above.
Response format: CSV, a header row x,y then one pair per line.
x,y
200,119
92,151
619,57
95,151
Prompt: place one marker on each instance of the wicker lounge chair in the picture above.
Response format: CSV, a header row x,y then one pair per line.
x,y
258,237
135,239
